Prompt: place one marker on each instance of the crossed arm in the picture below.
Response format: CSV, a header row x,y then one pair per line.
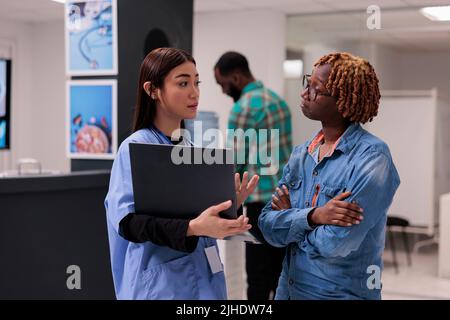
x,y
372,188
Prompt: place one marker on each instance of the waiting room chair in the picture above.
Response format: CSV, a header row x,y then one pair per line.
x,y
395,221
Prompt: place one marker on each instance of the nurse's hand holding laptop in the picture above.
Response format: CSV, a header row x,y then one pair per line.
x,y
207,193
210,224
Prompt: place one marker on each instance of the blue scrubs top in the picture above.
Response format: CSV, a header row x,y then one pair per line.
x,y
146,270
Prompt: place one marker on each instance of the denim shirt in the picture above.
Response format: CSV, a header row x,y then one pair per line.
x,y
327,261
145,270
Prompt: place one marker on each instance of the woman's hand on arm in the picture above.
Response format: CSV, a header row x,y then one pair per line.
x,y
210,224
281,201
245,187
337,212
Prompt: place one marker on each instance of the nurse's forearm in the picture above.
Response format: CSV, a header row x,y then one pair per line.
x,y
171,233
192,229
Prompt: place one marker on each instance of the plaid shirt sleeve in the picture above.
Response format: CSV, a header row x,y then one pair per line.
x,y
241,117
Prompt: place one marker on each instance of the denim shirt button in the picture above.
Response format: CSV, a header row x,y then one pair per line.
x,y
291,282
315,173
292,184
307,203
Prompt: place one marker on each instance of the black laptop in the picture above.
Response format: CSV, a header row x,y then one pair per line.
x,y
174,181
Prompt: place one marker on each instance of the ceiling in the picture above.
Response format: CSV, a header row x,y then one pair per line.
x,y
403,28
402,25
308,20
292,7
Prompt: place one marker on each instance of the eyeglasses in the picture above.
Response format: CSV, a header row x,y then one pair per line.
x,y
312,93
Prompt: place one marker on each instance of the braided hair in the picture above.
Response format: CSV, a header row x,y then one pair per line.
x,y
354,83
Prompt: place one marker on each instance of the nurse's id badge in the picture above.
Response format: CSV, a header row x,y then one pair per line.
x,y
213,259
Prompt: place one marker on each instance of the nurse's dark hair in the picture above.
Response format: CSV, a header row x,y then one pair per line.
x,y
155,68
354,83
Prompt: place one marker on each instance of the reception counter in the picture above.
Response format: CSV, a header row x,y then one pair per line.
x,y
48,224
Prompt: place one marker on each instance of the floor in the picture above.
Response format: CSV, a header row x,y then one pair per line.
x,y
416,282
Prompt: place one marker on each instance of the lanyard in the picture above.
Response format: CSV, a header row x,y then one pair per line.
x,y
162,139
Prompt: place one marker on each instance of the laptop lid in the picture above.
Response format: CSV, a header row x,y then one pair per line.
x,y
174,181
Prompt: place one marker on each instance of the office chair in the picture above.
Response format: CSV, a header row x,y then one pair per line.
x,y
395,221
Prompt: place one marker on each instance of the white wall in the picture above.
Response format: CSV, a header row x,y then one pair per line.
x,y
48,96
444,237
443,142
413,203
19,37
387,62
424,70
260,36
38,94
411,70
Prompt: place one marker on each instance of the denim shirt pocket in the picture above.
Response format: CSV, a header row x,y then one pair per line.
x,y
293,184
172,280
328,192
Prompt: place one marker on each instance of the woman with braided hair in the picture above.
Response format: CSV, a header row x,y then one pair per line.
x,y
331,205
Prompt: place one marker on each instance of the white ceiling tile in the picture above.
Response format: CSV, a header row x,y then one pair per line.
x,y
400,28
426,44
427,3
272,3
313,7
215,5
364,4
278,3
31,10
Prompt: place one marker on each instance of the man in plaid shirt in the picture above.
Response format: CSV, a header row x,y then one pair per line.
x,y
265,119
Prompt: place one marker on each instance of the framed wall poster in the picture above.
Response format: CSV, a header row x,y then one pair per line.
x,y
5,101
91,37
3,134
91,119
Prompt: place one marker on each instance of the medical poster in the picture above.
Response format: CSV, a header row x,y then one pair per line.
x,y
91,119
91,37
3,131
3,87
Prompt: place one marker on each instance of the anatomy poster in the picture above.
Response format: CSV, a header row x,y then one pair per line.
x,y
92,119
91,37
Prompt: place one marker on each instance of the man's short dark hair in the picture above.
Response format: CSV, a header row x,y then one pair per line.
x,y
232,61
